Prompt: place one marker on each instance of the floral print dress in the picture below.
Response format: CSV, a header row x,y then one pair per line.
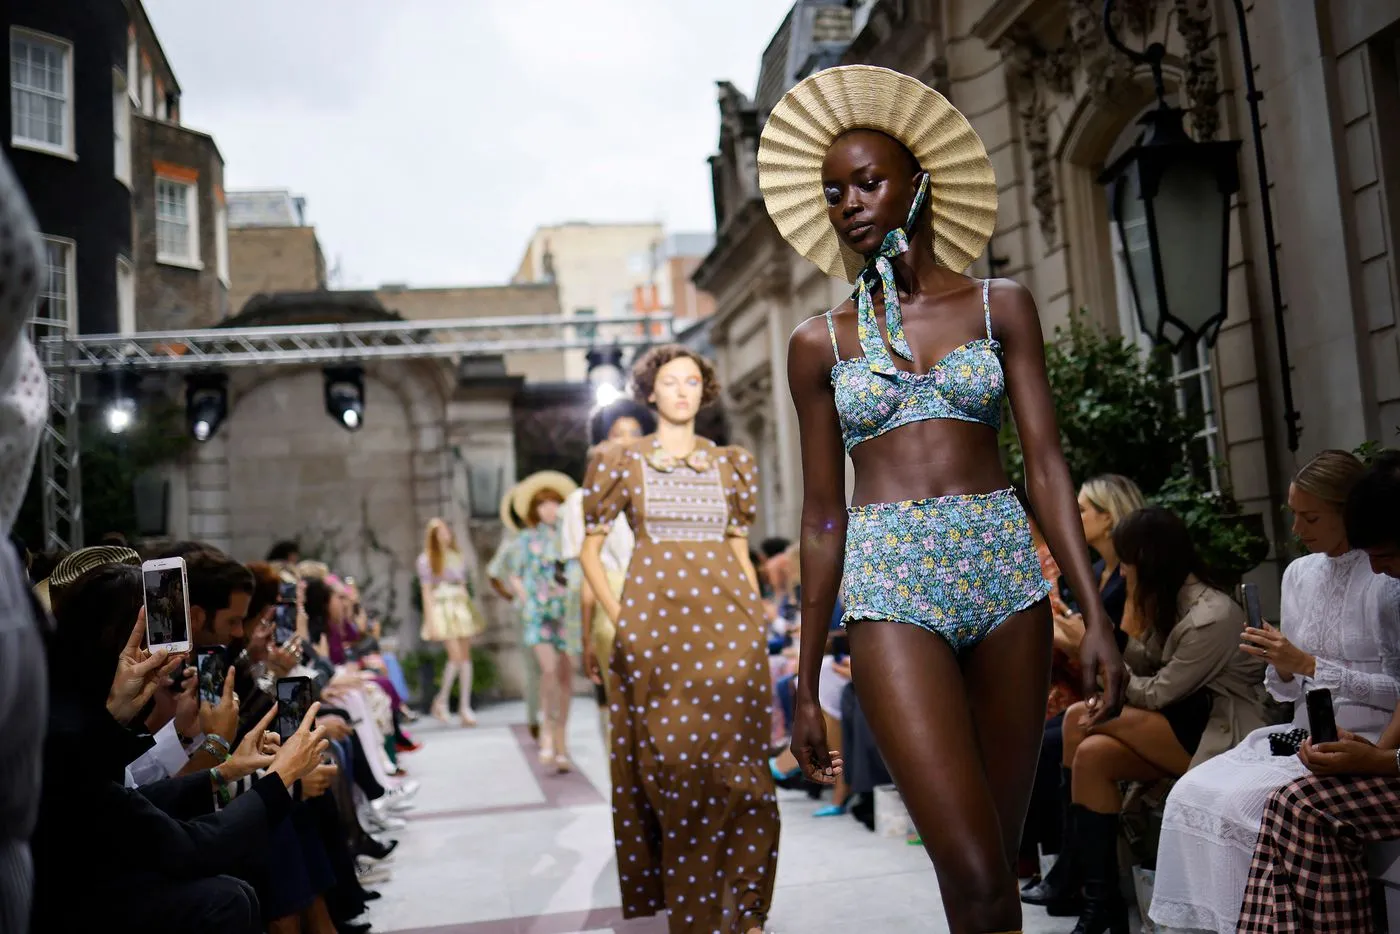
x,y
542,612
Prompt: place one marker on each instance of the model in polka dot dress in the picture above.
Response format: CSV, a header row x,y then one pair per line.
x,y
694,811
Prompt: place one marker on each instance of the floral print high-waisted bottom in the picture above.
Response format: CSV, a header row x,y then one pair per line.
x,y
954,565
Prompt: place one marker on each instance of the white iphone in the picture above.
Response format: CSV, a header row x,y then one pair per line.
x,y
167,605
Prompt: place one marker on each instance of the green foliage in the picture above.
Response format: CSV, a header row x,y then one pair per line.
x,y
1117,413
1229,543
110,465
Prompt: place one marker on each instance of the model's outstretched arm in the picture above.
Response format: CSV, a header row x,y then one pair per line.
x,y
1051,490
823,540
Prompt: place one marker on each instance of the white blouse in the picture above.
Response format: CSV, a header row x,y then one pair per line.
x,y
617,546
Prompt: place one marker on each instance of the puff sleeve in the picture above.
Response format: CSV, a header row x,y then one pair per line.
x,y
425,572
607,487
504,563
741,489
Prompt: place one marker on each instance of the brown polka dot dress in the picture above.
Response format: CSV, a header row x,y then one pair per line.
x,y
695,816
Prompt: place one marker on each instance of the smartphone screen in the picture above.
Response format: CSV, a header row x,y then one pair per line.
x,y
1251,605
284,619
1322,720
293,700
213,670
167,605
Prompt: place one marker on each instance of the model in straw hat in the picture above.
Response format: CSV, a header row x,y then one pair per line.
x,y
876,178
498,573
534,566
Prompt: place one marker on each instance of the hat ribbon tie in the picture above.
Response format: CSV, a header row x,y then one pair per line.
x,y
879,269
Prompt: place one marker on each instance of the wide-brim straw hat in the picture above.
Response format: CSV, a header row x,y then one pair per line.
x,y
526,489
508,518
809,118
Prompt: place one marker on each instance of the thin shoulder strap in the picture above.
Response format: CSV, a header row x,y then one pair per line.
x,y
831,330
987,305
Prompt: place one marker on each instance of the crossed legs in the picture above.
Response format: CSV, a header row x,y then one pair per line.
x,y
1137,745
961,737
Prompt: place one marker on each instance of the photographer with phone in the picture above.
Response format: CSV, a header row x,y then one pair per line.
x,y
1309,861
157,859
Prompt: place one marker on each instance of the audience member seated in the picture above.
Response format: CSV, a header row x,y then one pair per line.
x,y
1339,629
157,860
1104,502
1192,695
1308,872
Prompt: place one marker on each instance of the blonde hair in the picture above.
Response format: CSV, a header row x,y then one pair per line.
x,y
1114,494
1329,476
313,570
431,547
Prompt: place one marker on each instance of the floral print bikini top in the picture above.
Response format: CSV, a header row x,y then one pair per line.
x,y
874,396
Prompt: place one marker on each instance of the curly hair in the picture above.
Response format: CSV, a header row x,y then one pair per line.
x,y
603,418
645,369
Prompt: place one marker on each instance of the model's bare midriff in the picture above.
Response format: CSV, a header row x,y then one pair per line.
x,y
939,457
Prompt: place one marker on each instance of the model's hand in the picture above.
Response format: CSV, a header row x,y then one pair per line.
x,y
591,668
819,763
1105,675
1288,660
1349,755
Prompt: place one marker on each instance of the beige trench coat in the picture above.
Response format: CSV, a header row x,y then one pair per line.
x,y
1201,652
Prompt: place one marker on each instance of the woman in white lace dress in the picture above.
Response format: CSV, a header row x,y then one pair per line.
x,y
1339,629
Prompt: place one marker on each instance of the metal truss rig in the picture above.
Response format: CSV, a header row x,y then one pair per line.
x,y
66,358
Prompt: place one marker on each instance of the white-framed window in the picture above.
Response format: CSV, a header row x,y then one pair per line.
x,y
177,222
162,106
1193,379
126,296
133,69
148,91
121,129
41,92
58,288
221,243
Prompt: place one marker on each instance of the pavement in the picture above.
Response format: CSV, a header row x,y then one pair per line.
x,y
498,846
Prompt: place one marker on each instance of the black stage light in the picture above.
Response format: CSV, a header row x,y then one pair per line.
x,y
206,403
345,395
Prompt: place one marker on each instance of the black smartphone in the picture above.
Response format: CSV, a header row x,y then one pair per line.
x,y
1250,593
1322,722
285,616
212,664
293,700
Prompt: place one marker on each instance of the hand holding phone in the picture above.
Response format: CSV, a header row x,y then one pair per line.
x,y
301,751
167,603
213,672
293,700
1250,592
1322,721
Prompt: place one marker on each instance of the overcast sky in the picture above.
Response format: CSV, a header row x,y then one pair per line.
x,y
430,137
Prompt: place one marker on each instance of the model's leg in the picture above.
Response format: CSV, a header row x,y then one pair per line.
x,y
449,676
911,689
1008,678
563,701
546,658
464,667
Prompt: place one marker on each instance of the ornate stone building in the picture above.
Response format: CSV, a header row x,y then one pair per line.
x,y
1054,104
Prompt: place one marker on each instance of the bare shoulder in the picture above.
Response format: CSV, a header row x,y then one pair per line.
x,y
1013,309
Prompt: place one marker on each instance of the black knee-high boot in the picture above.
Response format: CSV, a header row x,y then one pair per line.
x,y
1059,891
1105,911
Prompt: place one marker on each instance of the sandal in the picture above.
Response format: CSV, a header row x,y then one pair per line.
x,y
467,716
439,711
562,764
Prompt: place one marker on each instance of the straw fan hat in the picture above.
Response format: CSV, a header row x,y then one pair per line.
x,y
962,189
525,491
508,518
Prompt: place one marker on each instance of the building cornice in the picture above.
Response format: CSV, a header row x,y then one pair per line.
x,y
999,18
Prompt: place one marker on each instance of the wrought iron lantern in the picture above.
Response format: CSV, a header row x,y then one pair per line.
x,y
1170,197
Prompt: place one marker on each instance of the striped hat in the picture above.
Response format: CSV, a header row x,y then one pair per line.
x,y
74,566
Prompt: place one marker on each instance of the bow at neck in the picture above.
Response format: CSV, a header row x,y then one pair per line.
x,y
698,460
880,271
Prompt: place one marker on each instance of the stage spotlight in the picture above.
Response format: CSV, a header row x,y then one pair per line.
x,y
118,389
206,403
345,395
605,374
